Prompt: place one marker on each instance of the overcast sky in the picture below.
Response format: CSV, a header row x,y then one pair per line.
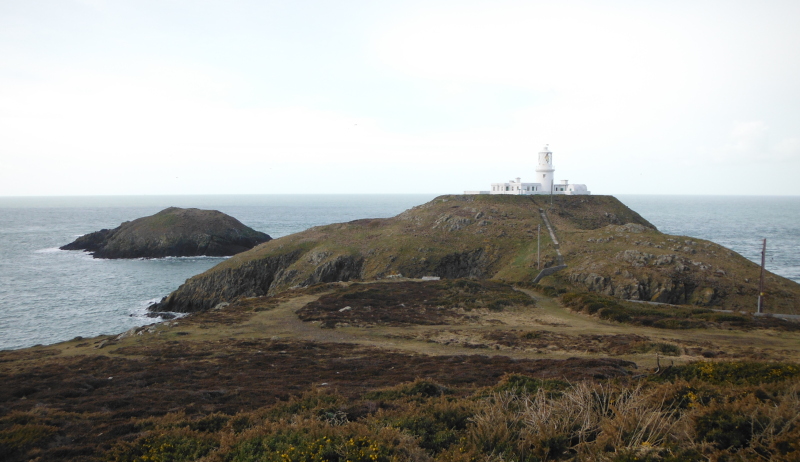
x,y
237,97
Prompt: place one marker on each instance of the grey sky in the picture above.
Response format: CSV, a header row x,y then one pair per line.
x,y
204,97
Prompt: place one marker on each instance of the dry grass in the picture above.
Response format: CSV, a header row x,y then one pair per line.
x,y
228,383
519,418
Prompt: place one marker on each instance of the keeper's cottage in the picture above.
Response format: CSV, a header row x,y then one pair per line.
x,y
546,185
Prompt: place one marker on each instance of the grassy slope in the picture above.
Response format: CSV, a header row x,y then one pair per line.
x,y
495,237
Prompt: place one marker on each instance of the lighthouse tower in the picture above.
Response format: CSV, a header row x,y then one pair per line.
x,y
544,171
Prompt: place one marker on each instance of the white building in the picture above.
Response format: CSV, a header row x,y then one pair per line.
x,y
546,185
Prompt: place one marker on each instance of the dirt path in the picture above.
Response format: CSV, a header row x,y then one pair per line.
x,y
548,315
568,330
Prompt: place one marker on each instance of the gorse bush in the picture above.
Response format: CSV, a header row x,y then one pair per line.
x,y
19,437
436,424
165,446
675,417
301,445
734,372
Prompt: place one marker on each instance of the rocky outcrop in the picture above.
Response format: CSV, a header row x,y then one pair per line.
x,y
251,279
671,289
173,232
342,268
471,264
632,263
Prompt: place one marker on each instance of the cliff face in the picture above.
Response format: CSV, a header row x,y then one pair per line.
x,y
173,232
607,248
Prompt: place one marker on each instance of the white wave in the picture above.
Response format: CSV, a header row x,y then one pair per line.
x,y
141,311
48,250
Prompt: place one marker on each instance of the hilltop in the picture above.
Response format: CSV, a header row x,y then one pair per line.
x,y
607,248
172,232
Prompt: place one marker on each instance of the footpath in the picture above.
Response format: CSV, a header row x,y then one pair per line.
x,y
559,258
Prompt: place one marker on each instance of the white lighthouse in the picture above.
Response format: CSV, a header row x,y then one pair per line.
x,y
544,182
544,171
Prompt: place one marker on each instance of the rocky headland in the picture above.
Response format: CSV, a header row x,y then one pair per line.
x,y
172,232
607,248
282,361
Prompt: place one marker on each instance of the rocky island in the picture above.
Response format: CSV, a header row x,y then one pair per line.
x,y
172,232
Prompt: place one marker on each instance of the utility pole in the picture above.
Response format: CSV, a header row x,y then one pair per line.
x,y
538,243
761,282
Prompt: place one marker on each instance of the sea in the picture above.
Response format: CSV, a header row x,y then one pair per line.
x,y
49,295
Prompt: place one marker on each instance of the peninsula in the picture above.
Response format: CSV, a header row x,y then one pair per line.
x,y
607,248
423,337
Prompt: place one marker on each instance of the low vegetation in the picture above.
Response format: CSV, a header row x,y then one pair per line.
x,y
667,316
679,415
86,407
250,381
411,303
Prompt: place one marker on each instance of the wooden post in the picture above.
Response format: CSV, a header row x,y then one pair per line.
x,y
761,282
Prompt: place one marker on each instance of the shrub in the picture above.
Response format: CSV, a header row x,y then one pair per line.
x,y
165,446
18,438
307,441
312,403
667,349
733,372
726,428
674,324
666,317
522,384
436,425
418,388
211,423
617,314
548,291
